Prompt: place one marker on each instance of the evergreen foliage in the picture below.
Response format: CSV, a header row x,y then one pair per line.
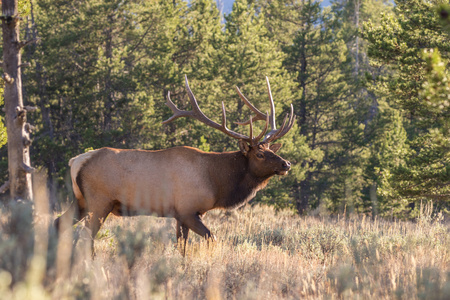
x,y
368,81
412,44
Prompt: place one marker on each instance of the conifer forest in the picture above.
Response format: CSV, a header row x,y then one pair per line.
x,y
368,80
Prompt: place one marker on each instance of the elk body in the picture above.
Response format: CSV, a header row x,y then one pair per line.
x,y
180,182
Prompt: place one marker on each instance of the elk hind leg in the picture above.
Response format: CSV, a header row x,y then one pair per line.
x,y
182,232
95,219
74,214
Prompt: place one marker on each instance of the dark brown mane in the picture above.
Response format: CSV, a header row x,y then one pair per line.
x,y
233,181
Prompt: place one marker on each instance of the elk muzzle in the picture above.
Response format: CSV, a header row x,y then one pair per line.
x,y
285,167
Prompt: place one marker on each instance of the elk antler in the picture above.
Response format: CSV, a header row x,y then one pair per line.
x,y
197,113
273,133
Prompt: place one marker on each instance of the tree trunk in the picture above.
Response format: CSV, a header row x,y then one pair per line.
x,y
18,129
109,97
357,8
305,191
304,187
374,199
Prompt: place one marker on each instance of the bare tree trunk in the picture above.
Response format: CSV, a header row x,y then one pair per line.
x,y
374,199
357,9
305,193
18,129
43,103
304,187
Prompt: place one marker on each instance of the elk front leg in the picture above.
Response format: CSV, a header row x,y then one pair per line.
x,y
194,223
182,232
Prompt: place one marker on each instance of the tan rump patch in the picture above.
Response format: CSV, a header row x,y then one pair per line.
x,y
75,165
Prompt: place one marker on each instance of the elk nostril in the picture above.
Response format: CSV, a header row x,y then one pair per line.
x,y
286,164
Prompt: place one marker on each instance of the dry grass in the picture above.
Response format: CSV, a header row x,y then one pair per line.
x,y
259,254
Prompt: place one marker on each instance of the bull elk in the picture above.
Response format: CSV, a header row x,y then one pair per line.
x,y
180,182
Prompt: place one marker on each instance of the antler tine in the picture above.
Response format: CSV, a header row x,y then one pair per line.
x,y
291,122
251,130
197,113
177,113
272,106
224,118
256,140
273,125
259,114
284,129
274,135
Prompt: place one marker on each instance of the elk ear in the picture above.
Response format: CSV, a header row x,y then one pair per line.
x,y
275,147
244,147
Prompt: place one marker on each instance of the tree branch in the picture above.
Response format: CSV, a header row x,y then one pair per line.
x,y
29,108
25,43
27,168
25,65
7,78
4,187
29,128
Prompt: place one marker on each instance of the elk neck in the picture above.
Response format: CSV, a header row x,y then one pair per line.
x,y
234,184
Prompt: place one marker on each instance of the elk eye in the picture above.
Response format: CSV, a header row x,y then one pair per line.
x,y
259,155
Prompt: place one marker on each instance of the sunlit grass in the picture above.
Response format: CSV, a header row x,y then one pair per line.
x,y
259,254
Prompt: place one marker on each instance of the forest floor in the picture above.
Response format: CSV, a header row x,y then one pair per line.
x,y
259,254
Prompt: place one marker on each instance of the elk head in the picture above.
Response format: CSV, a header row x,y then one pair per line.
x,y
263,160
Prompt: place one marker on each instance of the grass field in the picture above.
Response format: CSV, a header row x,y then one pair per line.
x,y
259,254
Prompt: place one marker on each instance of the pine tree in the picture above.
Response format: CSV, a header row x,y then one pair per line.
x,y
200,39
18,129
318,58
399,42
366,125
247,56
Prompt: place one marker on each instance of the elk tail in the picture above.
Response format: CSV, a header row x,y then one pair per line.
x,y
77,209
